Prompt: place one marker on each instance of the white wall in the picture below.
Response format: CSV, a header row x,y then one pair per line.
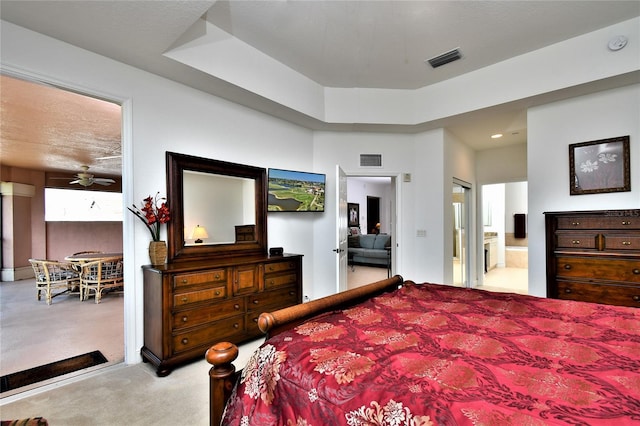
x,y
159,116
551,128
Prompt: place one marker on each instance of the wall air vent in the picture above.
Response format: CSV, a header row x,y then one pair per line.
x,y
445,58
370,160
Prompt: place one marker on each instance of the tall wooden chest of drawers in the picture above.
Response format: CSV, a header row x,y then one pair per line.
x,y
594,256
192,305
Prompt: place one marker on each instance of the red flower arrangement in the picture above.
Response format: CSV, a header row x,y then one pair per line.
x,y
154,213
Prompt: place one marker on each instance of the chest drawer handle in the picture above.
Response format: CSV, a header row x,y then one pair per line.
x,y
184,281
636,271
256,319
185,299
626,243
575,223
236,307
217,293
236,325
567,290
185,341
575,242
567,266
626,222
185,319
217,276
636,298
256,301
292,293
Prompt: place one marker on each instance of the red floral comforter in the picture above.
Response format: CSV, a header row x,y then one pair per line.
x,y
438,355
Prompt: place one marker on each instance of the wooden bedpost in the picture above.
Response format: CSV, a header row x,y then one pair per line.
x,y
222,377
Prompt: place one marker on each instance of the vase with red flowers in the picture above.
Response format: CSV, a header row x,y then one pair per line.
x,y
154,213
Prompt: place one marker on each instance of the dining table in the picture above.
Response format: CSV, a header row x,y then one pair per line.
x,y
90,257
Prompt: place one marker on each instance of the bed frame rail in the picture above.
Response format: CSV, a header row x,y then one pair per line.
x,y
223,374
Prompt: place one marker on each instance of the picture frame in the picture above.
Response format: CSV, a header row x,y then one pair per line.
x,y
600,166
353,214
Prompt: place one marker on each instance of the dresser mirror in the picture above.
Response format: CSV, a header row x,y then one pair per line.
x,y
218,208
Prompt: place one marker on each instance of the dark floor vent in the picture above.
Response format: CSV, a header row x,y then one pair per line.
x,y
370,160
445,58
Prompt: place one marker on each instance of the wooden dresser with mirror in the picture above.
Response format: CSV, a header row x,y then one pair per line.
x,y
215,289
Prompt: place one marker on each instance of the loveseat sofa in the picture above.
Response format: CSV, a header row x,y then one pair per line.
x,y
369,249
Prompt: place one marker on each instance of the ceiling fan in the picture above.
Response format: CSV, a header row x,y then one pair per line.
x,y
85,178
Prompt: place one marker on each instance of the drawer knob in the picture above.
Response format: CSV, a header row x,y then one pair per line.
x,y
567,290
567,266
256,319
292,293
256,301
185,319
575,242
626,222
184,281
236,325
185,341
217,276
636,271
626,243
271,282
185,299
217,292
575,223
236,307
636,298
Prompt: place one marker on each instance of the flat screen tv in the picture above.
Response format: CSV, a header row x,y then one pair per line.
x,y
291,191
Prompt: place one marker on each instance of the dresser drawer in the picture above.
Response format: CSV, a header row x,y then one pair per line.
x,y
275,267
615,221
213,276
186,298
577,240
606,293
194,317
622,242
598,268
273,300
213,332
280,280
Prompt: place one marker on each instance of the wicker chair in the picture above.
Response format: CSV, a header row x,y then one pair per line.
x,y
100,275
53,275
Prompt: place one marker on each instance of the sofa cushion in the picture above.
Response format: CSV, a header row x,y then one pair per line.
x,y
367,241
382,241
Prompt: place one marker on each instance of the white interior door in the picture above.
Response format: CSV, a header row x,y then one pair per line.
x,y
341,229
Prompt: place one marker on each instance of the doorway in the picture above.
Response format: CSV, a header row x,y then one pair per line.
x,y
24,317
461,245
376,196
504,212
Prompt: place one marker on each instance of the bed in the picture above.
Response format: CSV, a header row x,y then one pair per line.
x,y
400,353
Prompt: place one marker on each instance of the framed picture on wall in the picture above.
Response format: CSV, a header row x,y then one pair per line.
x,y
599,166
353,210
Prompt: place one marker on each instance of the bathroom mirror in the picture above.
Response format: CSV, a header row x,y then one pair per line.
x,y
218,208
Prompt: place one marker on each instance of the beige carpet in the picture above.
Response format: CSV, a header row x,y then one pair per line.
x,y
127,395
33,333
360,275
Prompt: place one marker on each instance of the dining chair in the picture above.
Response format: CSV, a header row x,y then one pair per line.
x,y
53,275
100,275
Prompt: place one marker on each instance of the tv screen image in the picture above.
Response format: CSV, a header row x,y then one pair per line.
x,y
291,191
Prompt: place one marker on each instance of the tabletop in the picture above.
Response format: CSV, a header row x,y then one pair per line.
x,y
89,257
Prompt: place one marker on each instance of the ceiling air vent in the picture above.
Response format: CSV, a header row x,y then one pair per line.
x,y
370,160
445,58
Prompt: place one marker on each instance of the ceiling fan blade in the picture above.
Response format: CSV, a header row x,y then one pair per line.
x,y
103,182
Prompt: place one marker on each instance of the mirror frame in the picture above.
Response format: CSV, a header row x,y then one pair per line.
x,y
177,250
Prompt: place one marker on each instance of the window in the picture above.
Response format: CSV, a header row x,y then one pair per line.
x,y
70,205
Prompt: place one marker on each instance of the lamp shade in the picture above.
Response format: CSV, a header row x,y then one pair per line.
x,y
199,232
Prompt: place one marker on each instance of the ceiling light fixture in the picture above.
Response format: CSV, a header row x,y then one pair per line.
x,y
496,136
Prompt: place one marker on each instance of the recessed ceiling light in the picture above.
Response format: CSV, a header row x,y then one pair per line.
x,y
496,136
